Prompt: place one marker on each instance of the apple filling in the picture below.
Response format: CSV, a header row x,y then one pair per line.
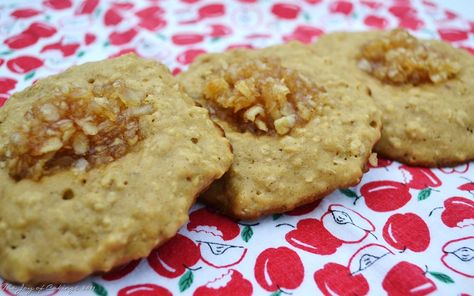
x,y
77,129
261,96
399,58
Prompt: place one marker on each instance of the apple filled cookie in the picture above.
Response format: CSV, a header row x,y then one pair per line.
x,y
99,165
298,131
424,89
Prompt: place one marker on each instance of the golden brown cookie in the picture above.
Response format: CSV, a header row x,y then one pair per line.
x,y
298,131
99,165
424,89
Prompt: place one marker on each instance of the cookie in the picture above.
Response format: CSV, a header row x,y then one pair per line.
x,y
298,132
99,165
424,89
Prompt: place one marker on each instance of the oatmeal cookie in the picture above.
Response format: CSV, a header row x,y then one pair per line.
x,y
99,165
424,89
298,131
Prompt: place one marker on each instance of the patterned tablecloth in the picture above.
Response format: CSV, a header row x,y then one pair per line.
x,y
401,231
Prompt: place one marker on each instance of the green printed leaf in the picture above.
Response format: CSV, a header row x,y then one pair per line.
x,y
276,216
161,36
99,289
441,277
306,16
186,281
6,52
349,193
106,43
30,75
424,194
215,39
276,293
81,53
247,233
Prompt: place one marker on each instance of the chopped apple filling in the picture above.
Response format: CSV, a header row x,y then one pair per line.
x,y
399,58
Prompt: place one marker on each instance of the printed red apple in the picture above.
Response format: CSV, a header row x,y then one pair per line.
x,y
304,33
188,56
66,50
121,271
144,290
411,22
150,11
58,4
279,268
172,259
449,34
367,256
30,36
458,212
460,169
215,230
231,283
375,22
407,231
122,37
311,236
346,224
219,254
6,84
86,7
152,23
21,40
24,13
420,178
204,220
122,5
89,38
336,279
41,30
465,187
24,64
211,10
402,11
343,7
286,10
385,196
112,17
459,256
407,279
450,15
125,51
219,30
186,39
207,11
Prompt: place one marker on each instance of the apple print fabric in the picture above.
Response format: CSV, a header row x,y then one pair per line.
x,y
401,231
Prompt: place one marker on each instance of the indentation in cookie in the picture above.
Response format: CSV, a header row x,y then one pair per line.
x,y
397,57
78,128
261,95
